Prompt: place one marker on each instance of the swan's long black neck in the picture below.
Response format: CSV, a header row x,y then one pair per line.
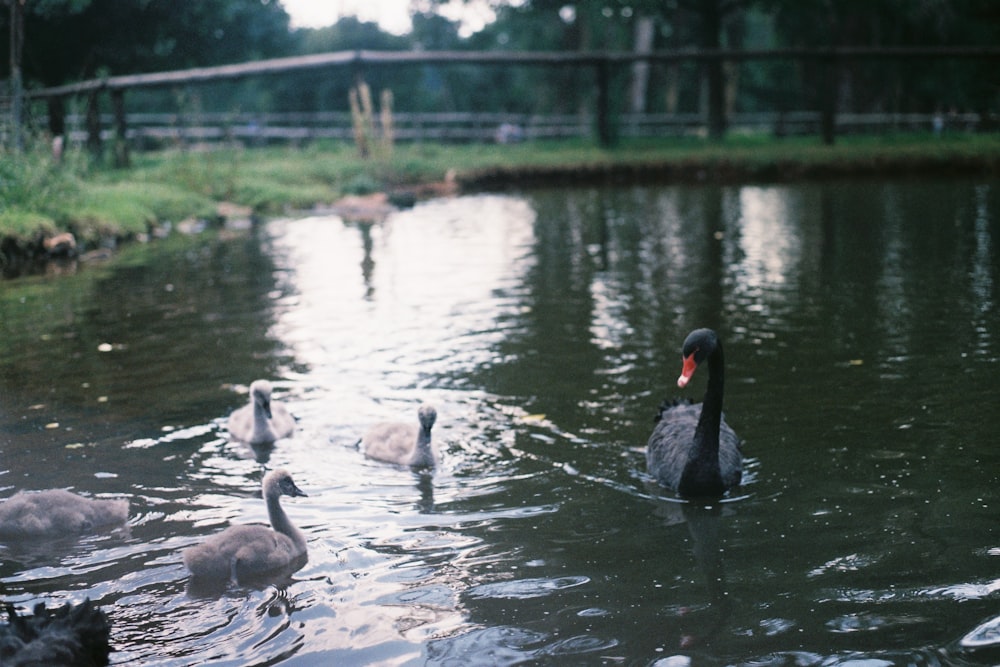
x,y
707,431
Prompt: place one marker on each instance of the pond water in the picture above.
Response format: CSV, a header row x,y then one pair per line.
x,y
861,334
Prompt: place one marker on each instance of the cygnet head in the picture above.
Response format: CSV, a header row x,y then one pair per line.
x,y
279,483
260,393
427,415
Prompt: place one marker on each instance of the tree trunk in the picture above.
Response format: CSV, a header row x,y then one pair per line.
x,y
640,69
94,124
711,16
16,85
121,128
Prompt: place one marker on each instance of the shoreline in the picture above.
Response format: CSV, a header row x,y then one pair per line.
x,y
28,254
728,172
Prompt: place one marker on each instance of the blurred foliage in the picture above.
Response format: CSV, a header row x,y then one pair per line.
x,y
73,40
69,40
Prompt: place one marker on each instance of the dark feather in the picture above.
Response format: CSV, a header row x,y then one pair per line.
x,y
669,403
71,635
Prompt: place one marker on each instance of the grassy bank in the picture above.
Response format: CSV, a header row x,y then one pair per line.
x,y
39,198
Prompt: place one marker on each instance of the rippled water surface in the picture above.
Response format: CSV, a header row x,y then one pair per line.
x,y
860,325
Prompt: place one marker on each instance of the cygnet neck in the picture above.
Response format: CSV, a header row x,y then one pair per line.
x,y
423,454
276,513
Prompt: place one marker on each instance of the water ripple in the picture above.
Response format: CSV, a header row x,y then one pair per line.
x,y
522,589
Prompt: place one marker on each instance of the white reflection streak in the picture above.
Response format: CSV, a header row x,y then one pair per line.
x,y
663,262
982,268
608,326
434,273
894,308
771,247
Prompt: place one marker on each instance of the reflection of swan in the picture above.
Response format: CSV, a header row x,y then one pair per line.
x,y
704,525
367,262
262,421
57,513
405,444
695,452
69,635
252,550
425,485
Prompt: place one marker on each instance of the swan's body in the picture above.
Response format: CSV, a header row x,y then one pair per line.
x,y
262,421
692,450
403,444
246,551
57,513
72,635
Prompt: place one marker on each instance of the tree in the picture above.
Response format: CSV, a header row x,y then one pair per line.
x,y
70,40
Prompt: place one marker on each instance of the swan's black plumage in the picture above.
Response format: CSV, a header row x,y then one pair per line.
x,y
71,635
692,450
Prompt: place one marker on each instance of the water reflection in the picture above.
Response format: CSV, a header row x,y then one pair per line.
x,y
699,627
545,326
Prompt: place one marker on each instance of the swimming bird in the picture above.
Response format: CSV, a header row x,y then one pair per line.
x,y
262,420
71,635
57,513
401,443
695,452
245,551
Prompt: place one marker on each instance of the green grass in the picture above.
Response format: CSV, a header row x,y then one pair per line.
x,y
126,209
20,225
38,197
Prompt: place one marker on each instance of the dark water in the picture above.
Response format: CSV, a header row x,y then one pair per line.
x,y
860,325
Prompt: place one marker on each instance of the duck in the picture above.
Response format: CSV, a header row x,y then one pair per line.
x,y
57,513
262,421
403,443
693,450
74,634
248,551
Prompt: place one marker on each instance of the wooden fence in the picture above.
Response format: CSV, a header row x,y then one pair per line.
x,y
600,63
159,130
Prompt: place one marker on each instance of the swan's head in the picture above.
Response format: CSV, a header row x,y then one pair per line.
x,y
260,392
698,346
428,415
280,483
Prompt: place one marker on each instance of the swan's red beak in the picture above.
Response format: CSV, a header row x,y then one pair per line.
x,y
690,365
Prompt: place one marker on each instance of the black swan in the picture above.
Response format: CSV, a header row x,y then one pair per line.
x,y
58,513
403,444
71,635
244,552
262,421
695,452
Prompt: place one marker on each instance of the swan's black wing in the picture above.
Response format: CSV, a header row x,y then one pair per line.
x,y
730,455
672,444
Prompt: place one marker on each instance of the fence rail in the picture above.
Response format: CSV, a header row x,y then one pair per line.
x,y
826,120
153,130
587,58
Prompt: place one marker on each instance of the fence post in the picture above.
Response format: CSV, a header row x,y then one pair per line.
x,y
94,123
57,121
828,98
716,98
121,127
16,83
604,103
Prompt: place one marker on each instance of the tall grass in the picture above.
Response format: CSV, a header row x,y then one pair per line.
x,y
33,188
39,196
